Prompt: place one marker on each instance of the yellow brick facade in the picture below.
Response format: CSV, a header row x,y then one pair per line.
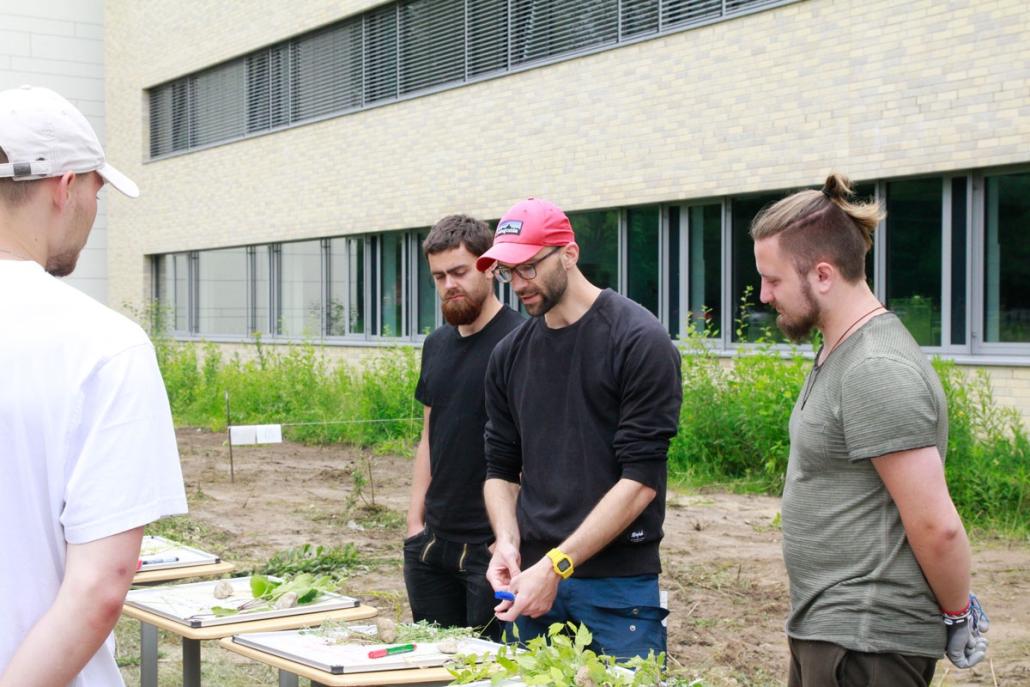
x,y
771,100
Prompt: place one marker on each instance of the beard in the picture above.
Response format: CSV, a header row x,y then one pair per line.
x,y
550,287
62,264
798,328
462,310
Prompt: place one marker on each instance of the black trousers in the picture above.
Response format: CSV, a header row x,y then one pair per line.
x,y
823,664
446,582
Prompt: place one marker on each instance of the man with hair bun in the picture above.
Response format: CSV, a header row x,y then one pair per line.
x,y
877,556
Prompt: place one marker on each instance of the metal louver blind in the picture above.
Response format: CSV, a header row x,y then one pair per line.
x,y
639,17
487,36
268,88
542,28
675,12
169,117
326,71
381,54
432,43
217,107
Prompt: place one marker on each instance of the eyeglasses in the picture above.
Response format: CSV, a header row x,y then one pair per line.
x,y
526,270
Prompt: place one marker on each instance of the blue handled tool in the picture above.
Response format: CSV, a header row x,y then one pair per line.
x,y
504,596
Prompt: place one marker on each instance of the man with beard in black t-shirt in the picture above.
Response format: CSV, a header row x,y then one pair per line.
x,y
448,538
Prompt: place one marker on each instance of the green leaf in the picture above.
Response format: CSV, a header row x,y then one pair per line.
x,y
222,611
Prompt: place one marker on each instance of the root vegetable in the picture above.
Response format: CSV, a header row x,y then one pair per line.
x,y
386,629
287,600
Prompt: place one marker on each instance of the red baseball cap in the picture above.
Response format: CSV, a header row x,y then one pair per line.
x,y
524,230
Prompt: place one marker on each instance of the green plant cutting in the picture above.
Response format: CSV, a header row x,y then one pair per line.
x,y
270,593
561,659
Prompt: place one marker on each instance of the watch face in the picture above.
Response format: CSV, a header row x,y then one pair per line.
x,y
564,564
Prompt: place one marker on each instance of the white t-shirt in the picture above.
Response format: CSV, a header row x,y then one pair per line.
x,y
87,447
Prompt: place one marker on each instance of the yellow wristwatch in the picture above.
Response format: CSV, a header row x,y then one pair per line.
x,y
561,563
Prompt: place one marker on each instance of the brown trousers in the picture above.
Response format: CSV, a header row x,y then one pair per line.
x,y
822,664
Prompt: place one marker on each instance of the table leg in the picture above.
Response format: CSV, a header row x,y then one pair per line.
x,y
287,679
190,662
148,655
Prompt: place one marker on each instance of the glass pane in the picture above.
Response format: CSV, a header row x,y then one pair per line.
x,y
1007,259
959,218
706,268
914,256
391,284
262,288
223,292
181,262
757,320
642,257
432,43
672,265
301,288
356,285
427,303
597,234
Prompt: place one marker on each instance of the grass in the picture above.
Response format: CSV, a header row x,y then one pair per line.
x,y
732,433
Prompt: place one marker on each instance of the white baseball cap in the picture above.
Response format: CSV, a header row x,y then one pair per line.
x,y
44,135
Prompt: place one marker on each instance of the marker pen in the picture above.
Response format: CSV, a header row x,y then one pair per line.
x,y
391,650
156,561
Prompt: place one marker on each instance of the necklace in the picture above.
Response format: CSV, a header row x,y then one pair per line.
x,y
817,366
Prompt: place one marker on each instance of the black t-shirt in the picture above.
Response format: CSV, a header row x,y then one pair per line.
x,y
571,412
451,384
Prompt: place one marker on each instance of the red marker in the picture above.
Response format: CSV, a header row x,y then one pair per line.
x,y
391,650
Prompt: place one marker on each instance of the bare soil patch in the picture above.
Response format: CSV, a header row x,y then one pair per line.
x,y
723,567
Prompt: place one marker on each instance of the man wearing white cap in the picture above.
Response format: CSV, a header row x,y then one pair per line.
x,y
581,403
89,454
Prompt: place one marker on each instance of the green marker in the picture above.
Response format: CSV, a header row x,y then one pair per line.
x,y
391,650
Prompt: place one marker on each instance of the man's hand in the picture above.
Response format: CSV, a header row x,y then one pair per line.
x,y
504,565
966,645
534,589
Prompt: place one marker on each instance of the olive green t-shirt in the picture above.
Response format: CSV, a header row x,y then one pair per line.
x,y
854,580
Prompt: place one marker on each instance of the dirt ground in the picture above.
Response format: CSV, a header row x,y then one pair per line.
x,y
721,553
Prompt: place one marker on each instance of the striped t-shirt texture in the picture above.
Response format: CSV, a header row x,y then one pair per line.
x,y
854,580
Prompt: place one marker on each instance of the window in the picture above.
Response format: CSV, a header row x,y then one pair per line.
x,y
756,320
428,306
597,234
325,70
217,104
432,43
300,301
913,249
642,229
959,254
541,28
391,285
1006,265
345,311
381,54
222,292
261,290
397,49
704,246
172,285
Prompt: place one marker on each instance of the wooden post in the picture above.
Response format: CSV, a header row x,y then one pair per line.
x,y
228,431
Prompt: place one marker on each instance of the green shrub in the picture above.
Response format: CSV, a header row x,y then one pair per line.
x,y
335,561
734,432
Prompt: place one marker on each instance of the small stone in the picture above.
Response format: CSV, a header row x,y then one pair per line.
x,y
223,590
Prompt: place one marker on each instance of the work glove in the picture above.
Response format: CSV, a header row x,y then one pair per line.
x,y
966,644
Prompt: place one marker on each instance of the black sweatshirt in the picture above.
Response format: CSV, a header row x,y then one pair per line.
x,y
451,384
573,410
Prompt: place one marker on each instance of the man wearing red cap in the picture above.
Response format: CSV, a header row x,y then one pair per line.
x,y
581,402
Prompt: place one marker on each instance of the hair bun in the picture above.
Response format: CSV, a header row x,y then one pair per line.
x,y
837,187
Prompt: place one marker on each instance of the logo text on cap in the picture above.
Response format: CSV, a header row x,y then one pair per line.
x,y
509,226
